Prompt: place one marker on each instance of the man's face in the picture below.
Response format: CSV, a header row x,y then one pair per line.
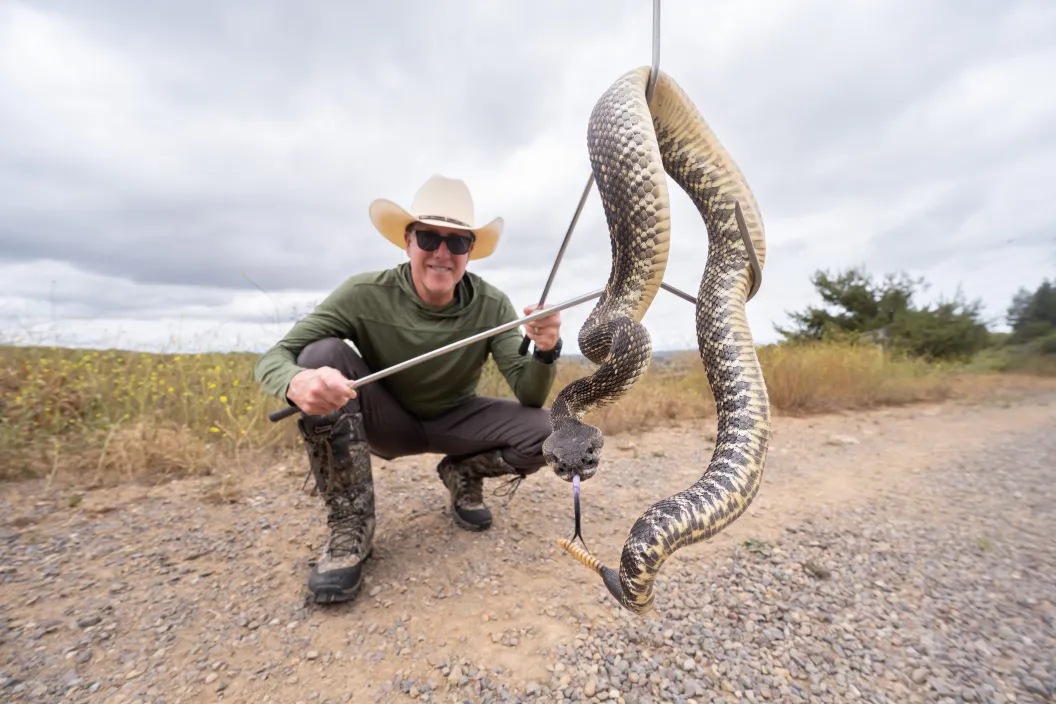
x,y
436,270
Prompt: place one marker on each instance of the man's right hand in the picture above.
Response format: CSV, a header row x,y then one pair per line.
x,y
320,391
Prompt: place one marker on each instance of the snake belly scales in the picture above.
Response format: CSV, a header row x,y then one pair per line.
x,y
633,143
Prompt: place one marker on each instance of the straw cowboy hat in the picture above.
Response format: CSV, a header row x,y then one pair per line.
x,y
440,201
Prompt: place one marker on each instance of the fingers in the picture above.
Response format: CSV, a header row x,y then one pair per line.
x,y
553,320
545,342
545,331
334,389
320,391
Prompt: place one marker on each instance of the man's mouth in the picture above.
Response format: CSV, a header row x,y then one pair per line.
x,y
441,269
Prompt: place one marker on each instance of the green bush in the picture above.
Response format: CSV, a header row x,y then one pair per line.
x,y
1032,315
1047,344
860,309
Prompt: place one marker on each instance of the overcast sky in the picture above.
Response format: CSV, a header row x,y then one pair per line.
x,y
192,175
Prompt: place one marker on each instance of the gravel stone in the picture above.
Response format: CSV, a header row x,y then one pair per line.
x,y
937,587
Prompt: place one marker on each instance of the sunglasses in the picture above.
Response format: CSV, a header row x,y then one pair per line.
x,y
430,240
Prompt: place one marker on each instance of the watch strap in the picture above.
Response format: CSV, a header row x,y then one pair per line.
x,y
550,356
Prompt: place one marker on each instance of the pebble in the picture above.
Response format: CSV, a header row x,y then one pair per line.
x,y
900,595
878,603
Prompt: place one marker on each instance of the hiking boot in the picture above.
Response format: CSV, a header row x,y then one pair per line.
x,y
340,461
464,476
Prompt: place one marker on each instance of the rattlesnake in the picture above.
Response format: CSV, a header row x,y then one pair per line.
x,y
632,143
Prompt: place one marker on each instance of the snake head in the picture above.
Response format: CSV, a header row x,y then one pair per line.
x,y
574,449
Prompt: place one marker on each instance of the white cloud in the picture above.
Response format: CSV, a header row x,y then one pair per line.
x,y
159,165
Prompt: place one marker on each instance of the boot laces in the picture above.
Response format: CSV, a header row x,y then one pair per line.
x,y
346,527
471,488
508,488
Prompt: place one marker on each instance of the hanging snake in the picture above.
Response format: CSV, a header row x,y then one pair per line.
x,y
634,144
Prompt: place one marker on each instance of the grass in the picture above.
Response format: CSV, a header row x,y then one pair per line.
x,y
1036,358
827,377
120,415
105,416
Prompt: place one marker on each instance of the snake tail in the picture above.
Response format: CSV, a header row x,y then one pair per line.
x,y
679,138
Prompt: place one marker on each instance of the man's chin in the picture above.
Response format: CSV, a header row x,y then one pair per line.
x,y
440,281
439,285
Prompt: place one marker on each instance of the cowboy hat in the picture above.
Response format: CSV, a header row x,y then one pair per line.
x,y
441,201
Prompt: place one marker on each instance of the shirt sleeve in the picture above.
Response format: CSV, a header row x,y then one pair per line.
x,y
528,378
334,317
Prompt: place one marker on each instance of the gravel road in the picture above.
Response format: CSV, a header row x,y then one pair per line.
x,y
902,555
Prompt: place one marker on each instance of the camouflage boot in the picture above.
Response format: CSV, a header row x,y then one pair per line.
x,y
340,461
464,476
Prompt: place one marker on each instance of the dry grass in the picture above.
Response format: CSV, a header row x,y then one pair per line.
x,y
818,378
100,417
116,416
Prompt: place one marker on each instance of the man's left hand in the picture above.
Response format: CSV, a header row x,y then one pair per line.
x,y
544,332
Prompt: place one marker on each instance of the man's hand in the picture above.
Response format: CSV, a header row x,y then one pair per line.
x,y
320,391
544,332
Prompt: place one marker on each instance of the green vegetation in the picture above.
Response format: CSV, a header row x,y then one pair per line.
x,y
104,416
885,312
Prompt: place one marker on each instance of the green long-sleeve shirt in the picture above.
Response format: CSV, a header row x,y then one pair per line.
x,y
382,315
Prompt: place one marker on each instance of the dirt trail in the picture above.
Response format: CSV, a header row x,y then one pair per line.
x,y
167,594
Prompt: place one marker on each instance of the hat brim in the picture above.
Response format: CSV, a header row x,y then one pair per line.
x,y
391,221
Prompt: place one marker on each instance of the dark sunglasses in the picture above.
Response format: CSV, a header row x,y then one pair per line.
x,y
430,240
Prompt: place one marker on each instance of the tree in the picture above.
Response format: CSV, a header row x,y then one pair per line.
x,y
862,304
857,306
949,330
1033,315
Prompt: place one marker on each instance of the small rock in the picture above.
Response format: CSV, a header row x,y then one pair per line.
x,y
1034,686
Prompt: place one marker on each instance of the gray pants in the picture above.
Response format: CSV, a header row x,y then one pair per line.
x,y
478,425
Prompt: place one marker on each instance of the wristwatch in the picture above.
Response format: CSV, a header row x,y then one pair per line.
x,y
550,356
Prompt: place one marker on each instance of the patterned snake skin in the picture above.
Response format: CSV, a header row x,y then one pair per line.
x,y
632,145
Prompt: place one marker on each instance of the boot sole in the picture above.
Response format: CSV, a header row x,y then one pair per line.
x,y
333,594
466,525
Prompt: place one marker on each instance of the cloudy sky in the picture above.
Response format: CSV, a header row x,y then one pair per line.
x,y
193,175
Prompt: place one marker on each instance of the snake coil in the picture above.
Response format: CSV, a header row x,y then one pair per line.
x,y
632,144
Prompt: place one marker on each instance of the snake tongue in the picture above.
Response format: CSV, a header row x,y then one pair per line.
x,y
575,504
